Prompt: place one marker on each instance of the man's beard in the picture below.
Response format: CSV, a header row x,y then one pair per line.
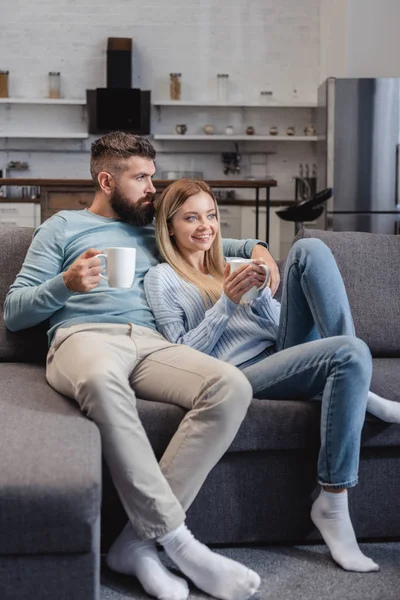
x,y
139,214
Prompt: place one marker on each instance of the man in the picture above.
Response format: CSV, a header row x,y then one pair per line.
x,y
105,350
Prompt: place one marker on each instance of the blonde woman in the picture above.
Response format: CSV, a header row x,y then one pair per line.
x,y
302,348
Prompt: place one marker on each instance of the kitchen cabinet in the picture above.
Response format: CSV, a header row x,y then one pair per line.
x,y
20,214
281,233
231,221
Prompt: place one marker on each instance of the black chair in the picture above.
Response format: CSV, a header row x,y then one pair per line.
x,y
305,210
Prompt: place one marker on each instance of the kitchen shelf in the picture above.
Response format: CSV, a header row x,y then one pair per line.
x,y
233,137
43,135
59,101
233,104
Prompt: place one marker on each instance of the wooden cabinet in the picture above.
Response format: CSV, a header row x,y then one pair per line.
x,y
54,199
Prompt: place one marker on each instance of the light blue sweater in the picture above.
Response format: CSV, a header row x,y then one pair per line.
x,y
234,333
39,291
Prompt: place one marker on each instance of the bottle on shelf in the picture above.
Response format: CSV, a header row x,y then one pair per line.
x,y
3,84
223,87
54,84
175,86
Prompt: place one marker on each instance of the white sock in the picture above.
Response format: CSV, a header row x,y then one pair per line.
x,y
214,574
131,556
330,514
387,410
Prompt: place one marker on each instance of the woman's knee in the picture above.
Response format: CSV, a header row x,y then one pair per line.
x,y
311,246
356,352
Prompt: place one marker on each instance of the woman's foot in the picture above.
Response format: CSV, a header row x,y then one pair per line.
x,y
330,514
214,574
386,410
131,556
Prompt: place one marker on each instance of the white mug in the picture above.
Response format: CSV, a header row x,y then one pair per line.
x,y
120,266
253,292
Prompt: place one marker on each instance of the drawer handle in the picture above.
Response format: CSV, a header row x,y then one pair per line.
x,y
83,202
260,210
8,211
224,224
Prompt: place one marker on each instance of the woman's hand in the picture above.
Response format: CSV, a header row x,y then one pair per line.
x,y
242,280
260,251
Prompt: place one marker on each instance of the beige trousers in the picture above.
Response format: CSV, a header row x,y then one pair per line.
x,y
104,367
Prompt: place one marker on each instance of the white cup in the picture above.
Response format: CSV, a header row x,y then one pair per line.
x,y
253,292
120,266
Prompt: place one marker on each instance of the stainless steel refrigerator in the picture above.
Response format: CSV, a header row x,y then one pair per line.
x,y
358,127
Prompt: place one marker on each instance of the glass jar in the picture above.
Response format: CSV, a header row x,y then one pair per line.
x,y
175,86
266,96
54,84
3,84
223,87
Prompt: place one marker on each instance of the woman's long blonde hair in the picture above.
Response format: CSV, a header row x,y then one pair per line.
x,y
170,201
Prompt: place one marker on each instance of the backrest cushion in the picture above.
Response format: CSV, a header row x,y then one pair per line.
x,y
29,345
370,267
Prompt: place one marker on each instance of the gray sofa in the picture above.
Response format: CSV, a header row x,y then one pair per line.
x,y
55,491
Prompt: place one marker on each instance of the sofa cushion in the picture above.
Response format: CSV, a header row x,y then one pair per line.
x,y
370,266
282,424
50,476
31,344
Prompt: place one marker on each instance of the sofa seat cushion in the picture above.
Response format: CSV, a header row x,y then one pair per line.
x,y
50,479
282,424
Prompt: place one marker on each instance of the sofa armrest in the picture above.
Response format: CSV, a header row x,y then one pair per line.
x,y
50,480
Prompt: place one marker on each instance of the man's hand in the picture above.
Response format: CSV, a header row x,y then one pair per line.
x,y
260,251
84,274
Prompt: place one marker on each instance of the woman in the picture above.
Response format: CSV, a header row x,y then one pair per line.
x,y
305,347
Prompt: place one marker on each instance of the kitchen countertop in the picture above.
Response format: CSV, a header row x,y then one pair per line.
x,y
221,183
158,183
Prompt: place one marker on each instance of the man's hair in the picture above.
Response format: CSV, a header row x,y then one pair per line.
x,y
110,152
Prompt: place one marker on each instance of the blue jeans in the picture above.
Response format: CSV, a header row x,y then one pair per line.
x,y
317,354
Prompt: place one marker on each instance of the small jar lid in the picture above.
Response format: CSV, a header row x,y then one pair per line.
x,y
4,72
54,72
175,74
222,75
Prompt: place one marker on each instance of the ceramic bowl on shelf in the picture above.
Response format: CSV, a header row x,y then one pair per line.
x,y
181,129
208,129
309,130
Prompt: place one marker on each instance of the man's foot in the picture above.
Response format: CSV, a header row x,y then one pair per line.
x,y
214,574
131,556
330,514
387,410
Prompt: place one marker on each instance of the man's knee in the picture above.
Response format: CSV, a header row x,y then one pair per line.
x,y
237,392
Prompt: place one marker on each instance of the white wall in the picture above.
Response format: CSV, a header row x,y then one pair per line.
x,y
260,43
333,38
359,38
374,38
